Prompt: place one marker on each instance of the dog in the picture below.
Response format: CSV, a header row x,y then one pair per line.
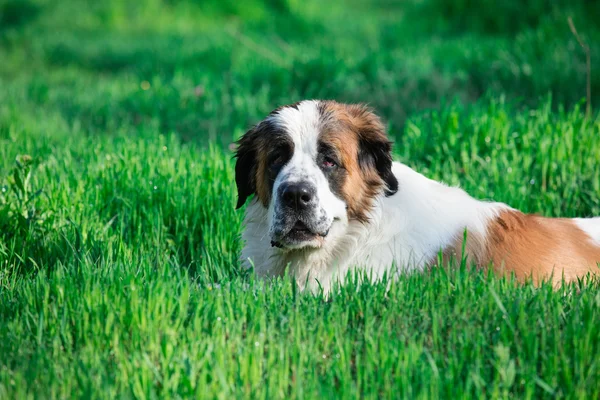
x,y
329,199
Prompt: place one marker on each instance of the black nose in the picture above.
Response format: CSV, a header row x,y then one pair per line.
x,y
298,196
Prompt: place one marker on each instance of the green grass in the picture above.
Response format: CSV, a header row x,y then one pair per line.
x,y
119,239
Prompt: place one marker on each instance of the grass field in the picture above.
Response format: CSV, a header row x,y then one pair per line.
x,y
118,235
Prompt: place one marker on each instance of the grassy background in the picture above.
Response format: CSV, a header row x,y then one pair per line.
x,y
118,237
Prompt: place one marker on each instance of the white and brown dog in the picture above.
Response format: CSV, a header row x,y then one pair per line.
x,y
329,199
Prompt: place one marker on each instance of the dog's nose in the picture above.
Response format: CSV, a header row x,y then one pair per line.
x,y
298,196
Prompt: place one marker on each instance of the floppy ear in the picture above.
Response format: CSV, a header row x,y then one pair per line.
x,y
375,151
377,154
245,167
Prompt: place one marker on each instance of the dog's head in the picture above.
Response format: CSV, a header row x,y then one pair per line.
x,y
315,166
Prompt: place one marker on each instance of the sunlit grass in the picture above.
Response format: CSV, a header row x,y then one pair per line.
x,y
119,239
132,287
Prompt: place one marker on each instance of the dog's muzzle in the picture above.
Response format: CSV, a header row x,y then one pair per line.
x,y
297,215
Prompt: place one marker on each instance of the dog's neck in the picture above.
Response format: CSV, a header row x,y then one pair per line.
x,y
426,216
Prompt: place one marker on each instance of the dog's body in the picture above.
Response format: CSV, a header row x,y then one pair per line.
x,y
332,200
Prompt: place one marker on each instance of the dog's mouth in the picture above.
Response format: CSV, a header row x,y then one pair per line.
x,y
299,233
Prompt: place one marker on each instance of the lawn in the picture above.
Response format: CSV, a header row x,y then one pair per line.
x,y
119,241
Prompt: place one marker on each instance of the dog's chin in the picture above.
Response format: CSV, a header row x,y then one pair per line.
x,y
298,237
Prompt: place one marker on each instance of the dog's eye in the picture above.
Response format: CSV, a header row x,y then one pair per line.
x,y
328,163
275,161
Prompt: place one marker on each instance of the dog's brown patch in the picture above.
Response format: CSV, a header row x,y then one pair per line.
x,y
359,138
531,247
535,247
263,186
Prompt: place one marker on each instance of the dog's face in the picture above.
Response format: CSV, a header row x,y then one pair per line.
x,y
315,166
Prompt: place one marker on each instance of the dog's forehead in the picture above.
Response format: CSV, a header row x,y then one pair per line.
x,y
303,123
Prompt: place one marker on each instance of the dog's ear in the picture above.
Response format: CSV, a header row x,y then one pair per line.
x,y
377,154
245,166
375,150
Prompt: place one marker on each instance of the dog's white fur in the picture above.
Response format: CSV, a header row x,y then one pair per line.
x,y
591,226
303,125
